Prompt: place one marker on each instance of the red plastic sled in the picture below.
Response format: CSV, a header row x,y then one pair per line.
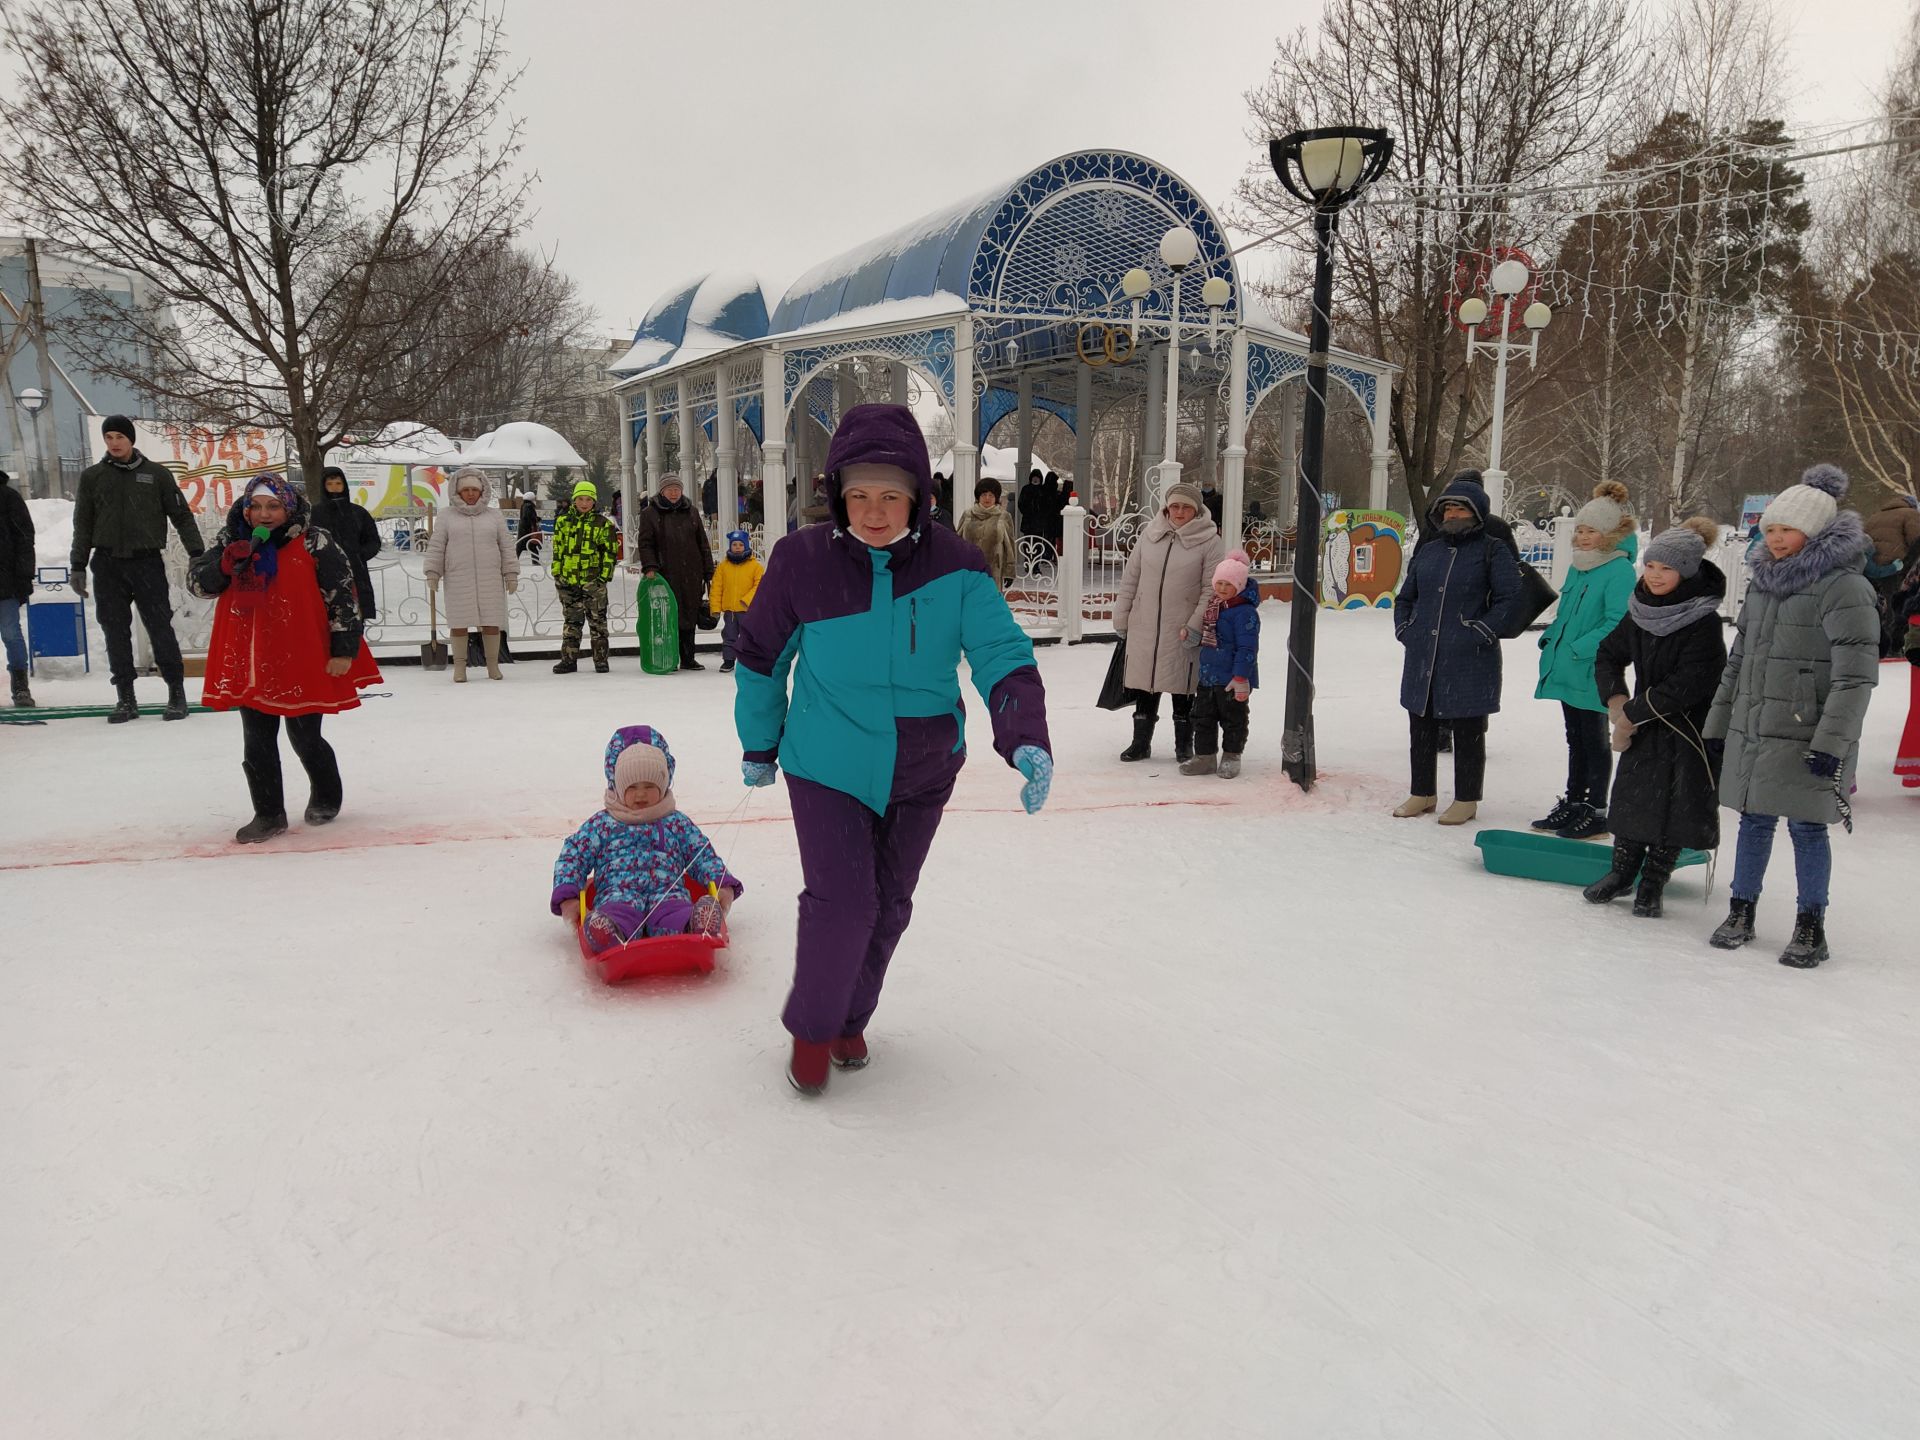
x,y
651,954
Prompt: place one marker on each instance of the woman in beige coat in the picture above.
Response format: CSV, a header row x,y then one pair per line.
x,y
473,553
1162,602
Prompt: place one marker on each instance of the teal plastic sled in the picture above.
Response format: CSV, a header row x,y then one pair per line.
x,y
1533,856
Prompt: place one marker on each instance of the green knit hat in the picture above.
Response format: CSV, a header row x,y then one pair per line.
x,y
586,487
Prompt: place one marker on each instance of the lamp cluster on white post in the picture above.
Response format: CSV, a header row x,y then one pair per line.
x,y
1510,277
1179,248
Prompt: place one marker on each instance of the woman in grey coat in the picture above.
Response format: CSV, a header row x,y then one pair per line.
x,y
1159,612
1792,700
473,553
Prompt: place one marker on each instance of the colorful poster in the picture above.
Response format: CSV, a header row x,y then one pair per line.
x,y
1361,559
1751,509
211,462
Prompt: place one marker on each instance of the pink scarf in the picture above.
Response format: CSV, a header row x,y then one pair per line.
x,y
645,815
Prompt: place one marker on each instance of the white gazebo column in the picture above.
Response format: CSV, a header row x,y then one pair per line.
x,y
1083,434
654,442
897,379
846,391
690,477
626,459
773,444
1382,442
1210,452
966,425
1023,387
1153,430
1233,503
726,491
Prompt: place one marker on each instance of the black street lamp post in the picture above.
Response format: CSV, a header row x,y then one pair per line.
x,y
1326,169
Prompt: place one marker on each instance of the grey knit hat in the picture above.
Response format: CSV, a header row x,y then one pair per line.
x,y
1683,547
1184,491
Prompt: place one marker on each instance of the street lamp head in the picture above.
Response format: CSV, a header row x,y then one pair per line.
x,y
1215,293
1473,311
1510,277
1135,283
1179,248
1328,167
32,401
1539,313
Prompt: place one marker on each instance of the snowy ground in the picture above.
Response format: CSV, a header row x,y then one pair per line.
x,y
1196,1109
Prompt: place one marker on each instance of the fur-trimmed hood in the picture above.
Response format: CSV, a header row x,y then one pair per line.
x,y
1843,545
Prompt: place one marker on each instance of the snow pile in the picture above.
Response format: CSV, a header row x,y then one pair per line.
x,y
1196,1108
52,530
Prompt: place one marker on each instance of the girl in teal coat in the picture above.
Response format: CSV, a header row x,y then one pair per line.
x,y
1593,601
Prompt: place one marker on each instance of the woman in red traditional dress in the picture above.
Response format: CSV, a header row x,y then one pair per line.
x,y
286,642
1906,764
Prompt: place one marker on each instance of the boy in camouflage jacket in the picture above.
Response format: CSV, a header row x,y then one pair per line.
x,y
585,548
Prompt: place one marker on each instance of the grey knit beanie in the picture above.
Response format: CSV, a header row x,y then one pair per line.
x,y
1184,491
1683,547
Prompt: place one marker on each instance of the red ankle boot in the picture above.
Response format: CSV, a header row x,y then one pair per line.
x,y
849,1052
807,1070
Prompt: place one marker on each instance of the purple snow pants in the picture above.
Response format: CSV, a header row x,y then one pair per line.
x,y
860,871
617,922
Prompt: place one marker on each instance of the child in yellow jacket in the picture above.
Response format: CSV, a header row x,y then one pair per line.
x,y
731,591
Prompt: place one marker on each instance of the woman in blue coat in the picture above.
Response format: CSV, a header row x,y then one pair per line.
x,y
1461,591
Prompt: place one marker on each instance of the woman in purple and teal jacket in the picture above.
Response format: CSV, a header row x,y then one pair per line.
x,y
870,615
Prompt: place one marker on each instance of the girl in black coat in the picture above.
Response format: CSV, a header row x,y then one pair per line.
x,y
354,531
1666,796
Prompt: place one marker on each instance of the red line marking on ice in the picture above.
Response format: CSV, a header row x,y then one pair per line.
x,y
390,840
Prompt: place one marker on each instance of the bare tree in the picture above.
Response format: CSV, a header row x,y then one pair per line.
x,y
1873,247
1487,100
307,182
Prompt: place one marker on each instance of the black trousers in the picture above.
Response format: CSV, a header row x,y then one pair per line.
x,y
687,656
261,734
1589,757
121,586
1215,708
1469,755
1147,707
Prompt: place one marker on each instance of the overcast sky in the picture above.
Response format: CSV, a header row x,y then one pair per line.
x,y
674,139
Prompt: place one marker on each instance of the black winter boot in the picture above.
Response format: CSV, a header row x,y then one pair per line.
x,y
568,664
176,701
1587,823
261,827
1654,876
22,696
1737,929
1627,858
127,708
1808,947
1182,740
1142,747
322,812
1560,814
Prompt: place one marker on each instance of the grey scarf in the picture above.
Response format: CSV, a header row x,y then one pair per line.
x,y
1665,619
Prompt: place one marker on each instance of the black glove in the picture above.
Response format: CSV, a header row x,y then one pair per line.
x,y
1822,764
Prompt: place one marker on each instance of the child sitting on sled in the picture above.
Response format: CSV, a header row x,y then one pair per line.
x,y
639,852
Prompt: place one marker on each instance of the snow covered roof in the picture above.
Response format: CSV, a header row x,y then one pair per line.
x,y
714,312
520,444
406,442
934,253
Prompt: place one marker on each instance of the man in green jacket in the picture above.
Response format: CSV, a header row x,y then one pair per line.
x,y
585,547
120,523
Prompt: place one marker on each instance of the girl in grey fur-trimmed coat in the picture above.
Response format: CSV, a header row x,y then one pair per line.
x,y
1792,700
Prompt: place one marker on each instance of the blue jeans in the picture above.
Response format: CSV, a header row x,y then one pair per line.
x,y
10,633
1812,858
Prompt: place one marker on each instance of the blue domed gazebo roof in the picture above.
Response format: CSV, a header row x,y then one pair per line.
x,y
1053,241
715,312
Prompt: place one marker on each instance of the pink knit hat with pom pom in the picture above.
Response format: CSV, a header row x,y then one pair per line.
x,y
1233,570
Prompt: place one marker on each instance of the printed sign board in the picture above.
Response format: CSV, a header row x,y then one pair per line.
x,y
1362,555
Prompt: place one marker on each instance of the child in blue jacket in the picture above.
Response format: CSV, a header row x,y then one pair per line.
x,y
639,852
1229,669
